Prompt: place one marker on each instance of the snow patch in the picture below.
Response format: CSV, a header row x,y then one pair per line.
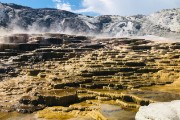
x,y
160,111
91,26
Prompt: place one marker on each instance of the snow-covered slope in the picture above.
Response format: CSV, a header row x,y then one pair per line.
x,y
169,19
165,23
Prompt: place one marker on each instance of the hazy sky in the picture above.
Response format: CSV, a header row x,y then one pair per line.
x,y
102,7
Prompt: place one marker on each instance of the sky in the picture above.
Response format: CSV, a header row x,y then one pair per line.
x,y
102,7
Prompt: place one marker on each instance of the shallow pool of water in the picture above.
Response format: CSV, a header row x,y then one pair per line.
x,y
17,116
115,112
158,93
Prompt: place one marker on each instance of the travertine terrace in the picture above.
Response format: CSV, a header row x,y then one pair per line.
x,y
60,76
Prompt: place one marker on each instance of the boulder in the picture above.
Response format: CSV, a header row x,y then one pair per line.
x,y
33,72
58,97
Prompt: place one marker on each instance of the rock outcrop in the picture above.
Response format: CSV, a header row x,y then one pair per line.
x,y
79,74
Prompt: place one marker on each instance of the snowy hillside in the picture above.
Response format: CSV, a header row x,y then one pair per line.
x,y
165,23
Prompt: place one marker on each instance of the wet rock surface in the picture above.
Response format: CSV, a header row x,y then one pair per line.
x,y
68,76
